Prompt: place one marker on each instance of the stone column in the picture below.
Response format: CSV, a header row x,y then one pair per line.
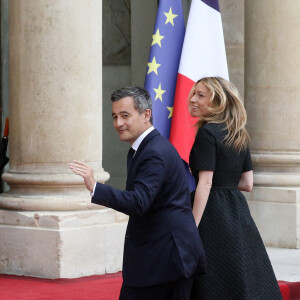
x,y
272,75
232,12
48,227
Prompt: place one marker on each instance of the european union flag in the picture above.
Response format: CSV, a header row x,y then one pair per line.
x,y
164,58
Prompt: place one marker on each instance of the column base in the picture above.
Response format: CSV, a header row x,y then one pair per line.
x,y
48,192
61,244
276,212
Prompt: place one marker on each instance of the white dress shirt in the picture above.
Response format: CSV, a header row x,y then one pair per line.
x,y
139,140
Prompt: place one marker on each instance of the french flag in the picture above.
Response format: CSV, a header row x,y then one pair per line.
x,y
203,55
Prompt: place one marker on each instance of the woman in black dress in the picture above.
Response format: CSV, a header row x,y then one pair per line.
x,y
238,266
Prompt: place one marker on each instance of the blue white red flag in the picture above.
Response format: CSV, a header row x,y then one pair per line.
x,y
163,62
203,55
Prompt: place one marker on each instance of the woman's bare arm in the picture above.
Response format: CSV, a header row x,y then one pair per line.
x,y
201,194
246,182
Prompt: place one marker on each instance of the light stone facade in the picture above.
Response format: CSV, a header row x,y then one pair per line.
x,y
48,228
272,74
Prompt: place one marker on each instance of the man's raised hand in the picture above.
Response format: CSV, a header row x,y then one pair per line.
x,y
85,172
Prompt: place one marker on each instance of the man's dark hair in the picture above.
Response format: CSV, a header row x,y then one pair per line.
x,y
141,98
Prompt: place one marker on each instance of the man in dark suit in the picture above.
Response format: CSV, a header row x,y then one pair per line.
x,y
162,248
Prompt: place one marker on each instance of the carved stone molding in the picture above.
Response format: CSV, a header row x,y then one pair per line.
x,y
276,169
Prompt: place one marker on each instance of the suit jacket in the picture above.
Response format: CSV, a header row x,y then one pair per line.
x,y
162,242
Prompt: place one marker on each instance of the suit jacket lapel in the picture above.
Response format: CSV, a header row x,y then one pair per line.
x,y
144,142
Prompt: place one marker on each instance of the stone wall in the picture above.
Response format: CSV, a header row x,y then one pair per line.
x,y
116,20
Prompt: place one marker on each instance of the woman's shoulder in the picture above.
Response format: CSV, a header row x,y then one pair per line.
x,y
212,131
214,128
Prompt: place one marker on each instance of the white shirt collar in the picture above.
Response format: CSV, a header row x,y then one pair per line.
x,y
138,141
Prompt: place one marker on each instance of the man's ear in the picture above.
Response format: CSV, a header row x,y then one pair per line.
x,y
147,114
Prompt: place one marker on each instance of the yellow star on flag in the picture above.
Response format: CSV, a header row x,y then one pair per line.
x,y
156,38
170,17
153,66
159,92
171,111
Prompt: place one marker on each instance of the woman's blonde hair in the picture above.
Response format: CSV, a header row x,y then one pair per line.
x,y
228,108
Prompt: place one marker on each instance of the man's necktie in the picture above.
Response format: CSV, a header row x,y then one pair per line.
x,y
130,157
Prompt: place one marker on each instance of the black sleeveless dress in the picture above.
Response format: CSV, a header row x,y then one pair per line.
x,y
238,266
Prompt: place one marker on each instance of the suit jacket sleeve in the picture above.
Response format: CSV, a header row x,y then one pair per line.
x,y
146,184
